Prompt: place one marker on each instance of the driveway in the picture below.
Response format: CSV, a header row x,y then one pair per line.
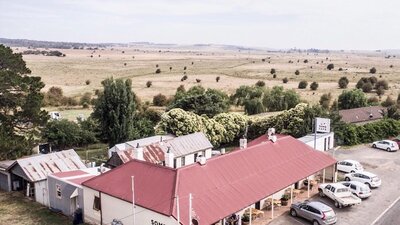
x,y
387,166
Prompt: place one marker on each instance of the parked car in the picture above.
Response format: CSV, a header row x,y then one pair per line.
x,y
397,140
388,145
359,189
365,177
349,166
339,193
316,212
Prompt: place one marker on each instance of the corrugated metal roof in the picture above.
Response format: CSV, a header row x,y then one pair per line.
x,y
37,167
142,142
5,164
187,144
363,114
152,153
224,185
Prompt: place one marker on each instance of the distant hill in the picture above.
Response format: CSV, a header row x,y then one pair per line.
x,y
48,44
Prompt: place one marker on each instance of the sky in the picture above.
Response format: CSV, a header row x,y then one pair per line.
x,y
333,24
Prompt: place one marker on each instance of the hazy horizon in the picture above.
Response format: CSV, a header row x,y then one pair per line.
x,y
347,25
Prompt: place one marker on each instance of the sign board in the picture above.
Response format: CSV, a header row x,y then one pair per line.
x,y
322,125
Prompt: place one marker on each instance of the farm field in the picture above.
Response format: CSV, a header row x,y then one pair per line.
x,y
234,68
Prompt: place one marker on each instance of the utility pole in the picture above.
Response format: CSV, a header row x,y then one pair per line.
x,y
133,199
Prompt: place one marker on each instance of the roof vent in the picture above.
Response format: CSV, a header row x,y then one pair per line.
x,y
243,143
271,135
202,160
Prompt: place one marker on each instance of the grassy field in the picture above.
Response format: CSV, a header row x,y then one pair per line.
x,y
234,69
15,209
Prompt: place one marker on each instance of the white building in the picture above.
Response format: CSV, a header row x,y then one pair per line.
x,y
324,141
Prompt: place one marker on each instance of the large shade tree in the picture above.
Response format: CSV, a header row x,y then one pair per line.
x,y
115,110
20,106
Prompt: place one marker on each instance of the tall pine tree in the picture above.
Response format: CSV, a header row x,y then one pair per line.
x,y
115,109
20,105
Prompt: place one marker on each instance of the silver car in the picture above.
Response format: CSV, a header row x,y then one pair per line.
x,y
316,212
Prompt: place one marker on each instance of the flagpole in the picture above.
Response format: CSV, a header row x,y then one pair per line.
x,y
190,209
133,199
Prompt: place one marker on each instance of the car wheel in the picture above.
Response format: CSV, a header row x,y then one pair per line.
x,y
388,149
352,171
374,145
337,204
315,222
293,213
321,193
369,185
347,179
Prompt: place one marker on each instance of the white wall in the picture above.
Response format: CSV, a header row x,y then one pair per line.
x,y
321,142
41,193
208,153
114,208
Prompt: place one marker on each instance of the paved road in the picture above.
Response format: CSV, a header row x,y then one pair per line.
x,y
392,216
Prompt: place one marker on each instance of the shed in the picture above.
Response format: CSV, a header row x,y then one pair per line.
x,y
30,174
5,176
65,190
324,141
362,115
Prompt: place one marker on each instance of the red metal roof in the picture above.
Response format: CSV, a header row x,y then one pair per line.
x,y
224,185
69,173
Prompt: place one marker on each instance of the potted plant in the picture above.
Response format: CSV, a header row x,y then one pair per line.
x,y
245,219
285,199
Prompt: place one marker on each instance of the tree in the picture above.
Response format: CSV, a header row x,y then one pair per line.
x,y
86,99
200,101
305,61
160,100
20,105
325,101
303,84
114,109
352,99
254,106
87,82
367,87
330,66
158,70
297,72
273,71
380,91
372,70
217,79
388,102
278,99
285,80
343,82
314,86
149,83
382,83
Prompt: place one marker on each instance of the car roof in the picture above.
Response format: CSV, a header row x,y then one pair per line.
x,y
337,185
319,205
367,173
351,161
357,183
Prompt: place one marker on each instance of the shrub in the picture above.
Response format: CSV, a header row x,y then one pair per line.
x,y
170,68
198,80
285,80
391,66
217,79
372,70
340,69
382,83
254,106
367,87
330,66
303,84
184,68
325,100
185,77
260,83
158,70
297,72
149,83
274,76
124,64
156,65
343,82
380,91
160,100
87,82
373,101
305,61
273,71
388,102
314,86
86,99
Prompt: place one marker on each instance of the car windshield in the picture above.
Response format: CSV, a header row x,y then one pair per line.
x,y
341,190
329,213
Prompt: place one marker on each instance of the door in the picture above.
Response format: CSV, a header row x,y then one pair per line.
x,y
74,205
305,212
258,205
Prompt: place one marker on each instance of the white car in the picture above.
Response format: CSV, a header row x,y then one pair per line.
x,y
349,166
359,189
365,177
388,145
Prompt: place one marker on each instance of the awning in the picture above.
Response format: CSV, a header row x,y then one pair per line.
x,y
74,194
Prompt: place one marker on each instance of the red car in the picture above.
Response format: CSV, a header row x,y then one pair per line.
x,y
397,140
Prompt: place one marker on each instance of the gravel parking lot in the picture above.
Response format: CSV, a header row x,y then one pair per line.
x,y
384,164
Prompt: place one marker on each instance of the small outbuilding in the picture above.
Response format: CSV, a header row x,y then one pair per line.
x,y
319,141
65,190
362,115
30,174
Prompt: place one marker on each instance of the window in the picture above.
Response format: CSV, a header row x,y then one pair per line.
x,y
175,163
183,160
353,187
195,157
58,191
313,210
96,203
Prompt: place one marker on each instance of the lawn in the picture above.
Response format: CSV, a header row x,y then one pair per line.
x,y
15,209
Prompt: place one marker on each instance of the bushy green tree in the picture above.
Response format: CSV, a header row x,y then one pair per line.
x,y
160,100
352,99
303,84
114,109
209,102
330,66
314,86
20,105
254,106
343,82
325,101
278,99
